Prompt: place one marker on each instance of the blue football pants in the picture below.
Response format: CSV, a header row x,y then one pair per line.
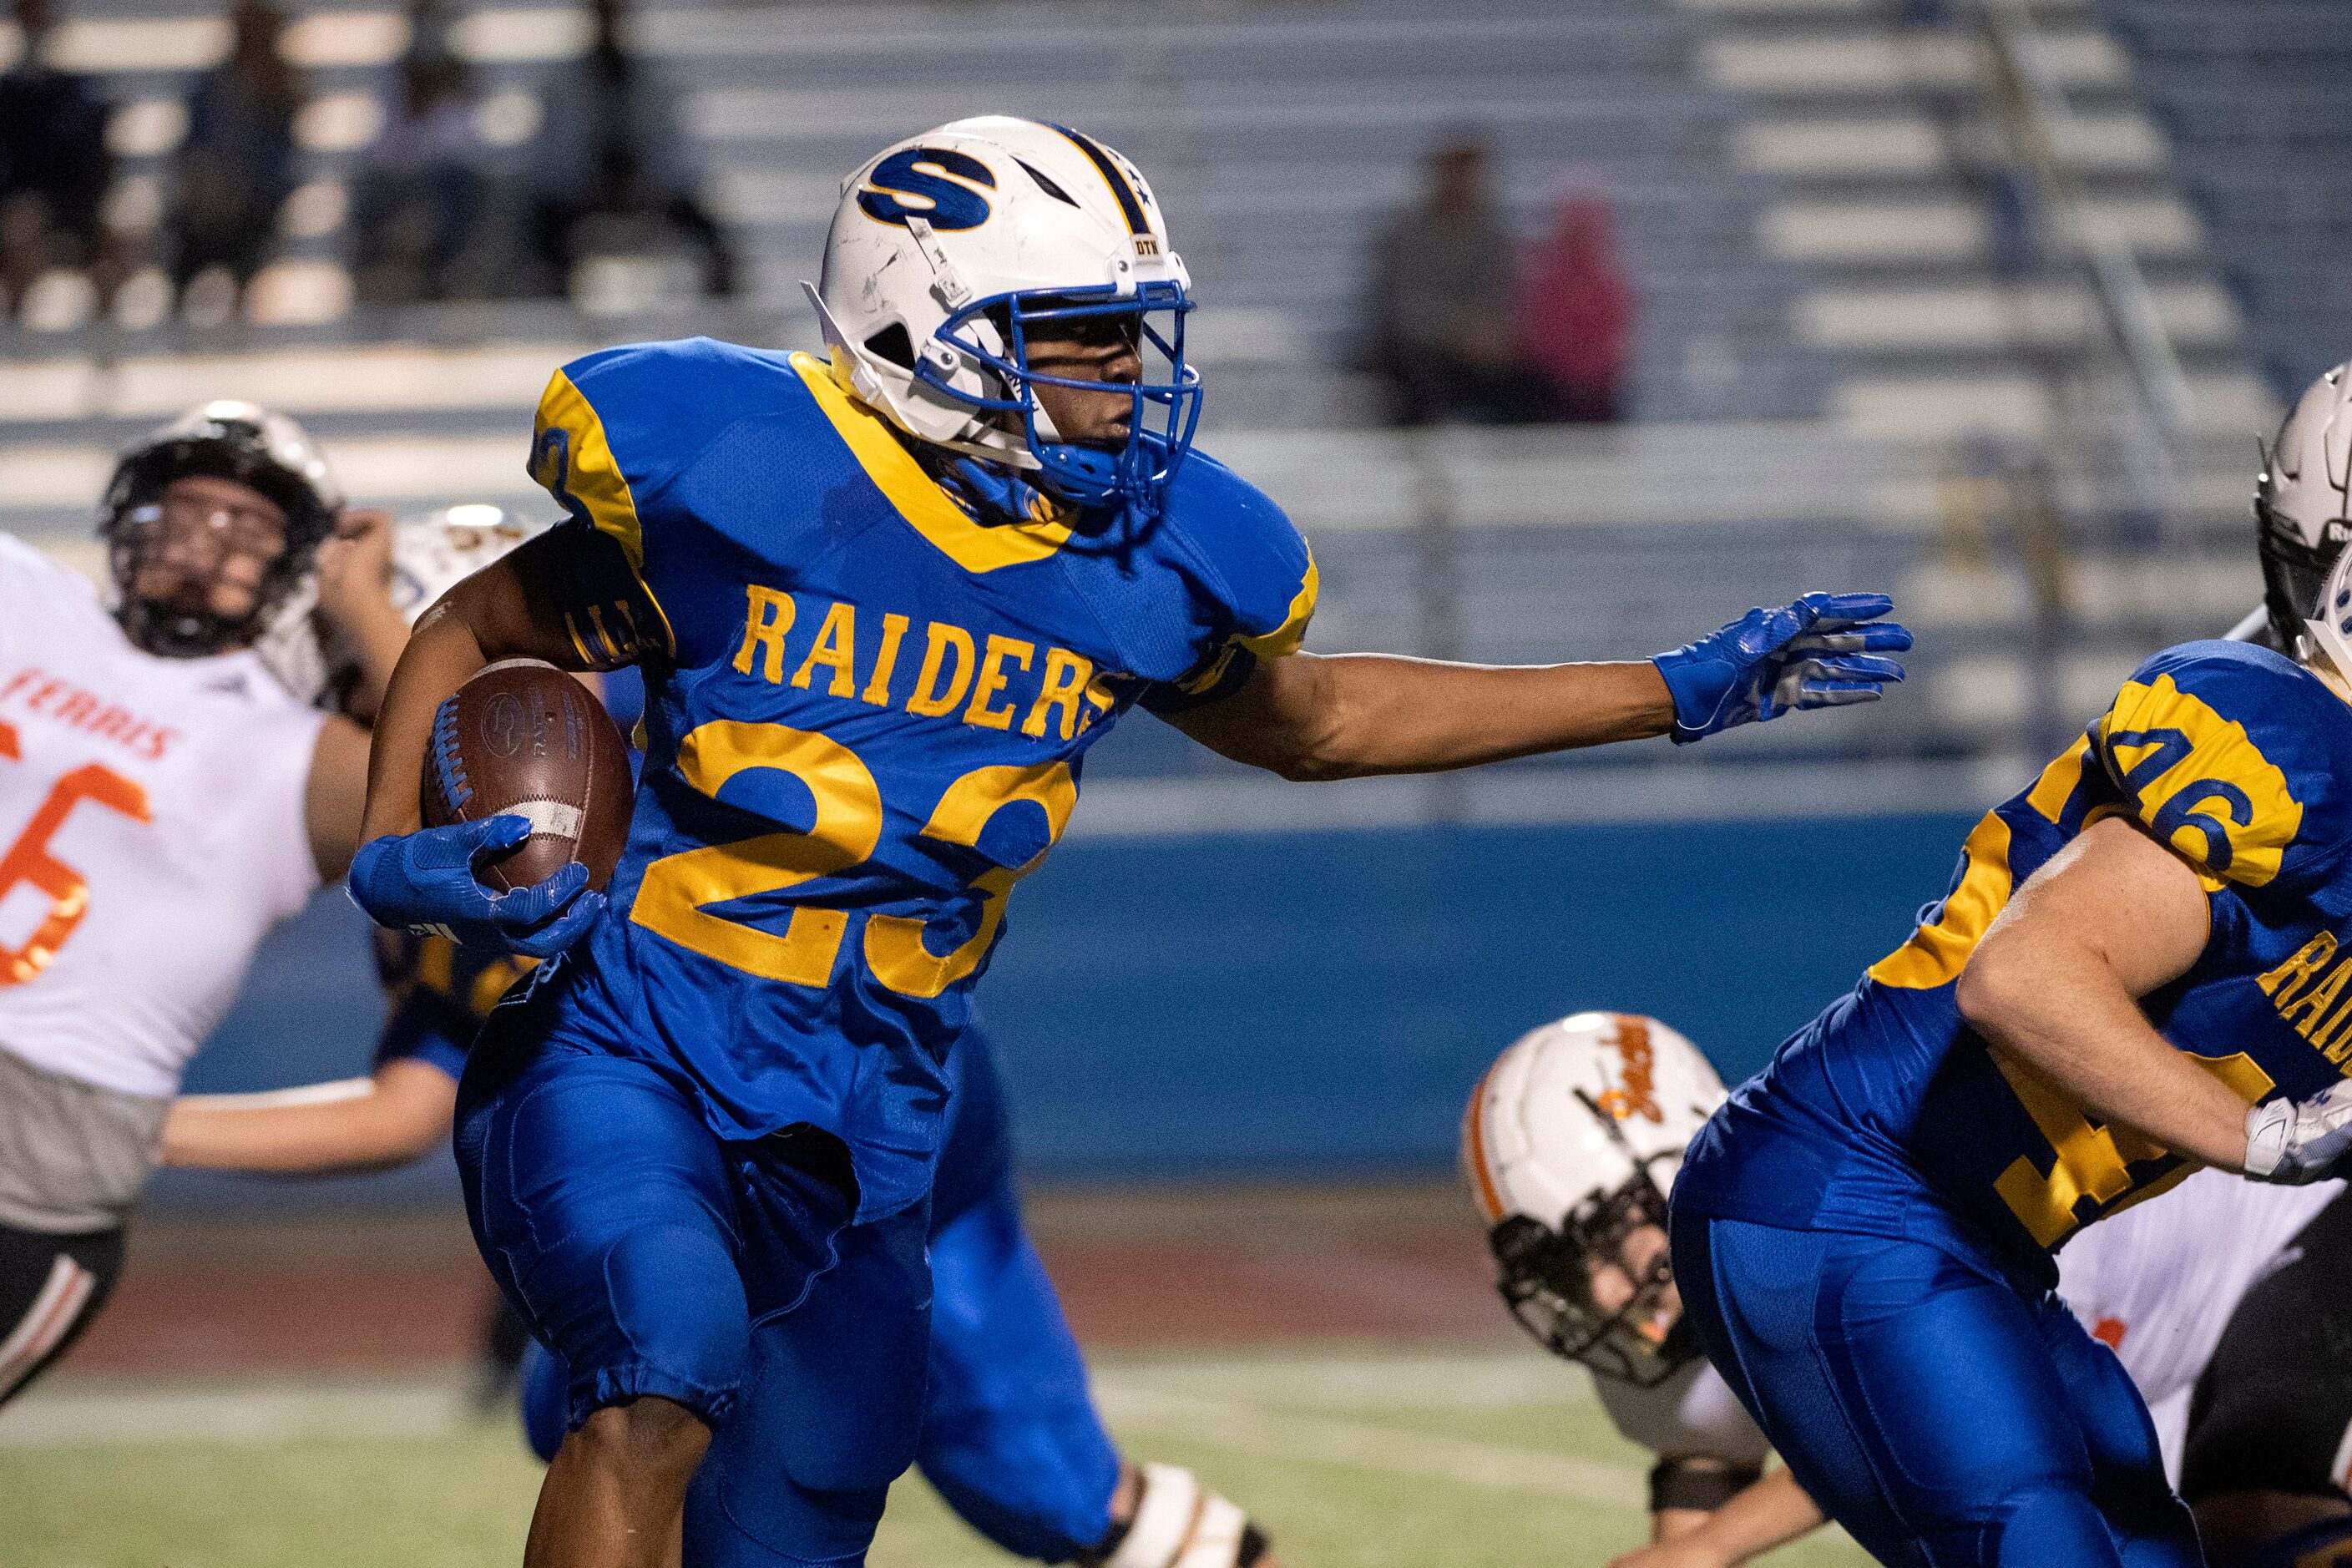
x,y
1945,1418
1009,1436
655,1258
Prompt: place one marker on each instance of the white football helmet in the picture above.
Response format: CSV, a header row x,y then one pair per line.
x,y
430,555
949,248
1570,1143
2303,504
255,447
2327,635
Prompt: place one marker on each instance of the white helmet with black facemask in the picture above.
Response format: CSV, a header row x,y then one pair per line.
x,y
950,249
250,446
1570,1143
2302,507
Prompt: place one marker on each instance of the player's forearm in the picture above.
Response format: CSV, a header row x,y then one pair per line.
x,y
376,639
357,1124
2057,1007
1770,1513
1357,715
443,655
1405,715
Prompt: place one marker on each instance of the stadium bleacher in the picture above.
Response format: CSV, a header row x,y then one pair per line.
x,y
1823,329
2246,92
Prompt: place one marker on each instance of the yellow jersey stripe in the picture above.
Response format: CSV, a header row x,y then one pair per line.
x,y
1284,639
917,496
580,471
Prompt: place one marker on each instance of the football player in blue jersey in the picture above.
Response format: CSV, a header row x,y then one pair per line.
x,y
884,605
1011,1437
2135,972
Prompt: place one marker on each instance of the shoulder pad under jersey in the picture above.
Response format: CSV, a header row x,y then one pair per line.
x,y
1244,545
2233,756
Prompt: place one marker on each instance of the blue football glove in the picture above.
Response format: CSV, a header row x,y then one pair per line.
x,y
424,882
1819,652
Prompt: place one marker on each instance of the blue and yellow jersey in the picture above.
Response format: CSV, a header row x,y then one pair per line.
x,y
2241,763
870,686
439,994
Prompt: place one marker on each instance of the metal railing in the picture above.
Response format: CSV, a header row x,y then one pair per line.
x,y
2120,396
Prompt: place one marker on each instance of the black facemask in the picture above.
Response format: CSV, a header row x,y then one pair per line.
x,y
2294,574
127,523
1545,1277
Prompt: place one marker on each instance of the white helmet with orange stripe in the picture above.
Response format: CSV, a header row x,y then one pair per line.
x,y
1570,1143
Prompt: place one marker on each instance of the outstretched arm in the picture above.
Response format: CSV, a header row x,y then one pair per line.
x,y
2056,982
360,1124
1308,717
1311,718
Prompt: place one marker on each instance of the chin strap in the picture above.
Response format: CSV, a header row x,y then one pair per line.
x,y
1179,1523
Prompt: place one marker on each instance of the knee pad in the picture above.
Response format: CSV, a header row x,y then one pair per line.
x,y
666,1318
770,1521
1179,1523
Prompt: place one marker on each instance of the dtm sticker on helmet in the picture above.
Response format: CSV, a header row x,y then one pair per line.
x,y
934,184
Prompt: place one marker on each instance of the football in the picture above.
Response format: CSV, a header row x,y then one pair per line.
x,y
526,739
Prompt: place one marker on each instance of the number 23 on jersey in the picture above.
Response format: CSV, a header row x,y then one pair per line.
x,y
845,832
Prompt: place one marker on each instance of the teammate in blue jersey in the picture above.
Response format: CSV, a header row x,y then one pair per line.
x,y
2136,971
884,603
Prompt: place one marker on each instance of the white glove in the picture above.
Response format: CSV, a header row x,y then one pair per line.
x,y
2292,1142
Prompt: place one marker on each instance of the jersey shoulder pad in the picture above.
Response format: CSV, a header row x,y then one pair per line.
x,y
1243,544
617,427
2230,754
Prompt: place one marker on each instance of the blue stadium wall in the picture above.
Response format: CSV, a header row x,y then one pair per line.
x,y
1310,1004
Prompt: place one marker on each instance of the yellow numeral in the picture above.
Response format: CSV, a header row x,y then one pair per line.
x,y
846,829
895,949
2090,1160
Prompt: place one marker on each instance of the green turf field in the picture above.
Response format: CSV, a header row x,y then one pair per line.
x,y
1364,1460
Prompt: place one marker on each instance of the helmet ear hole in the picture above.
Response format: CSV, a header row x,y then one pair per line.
x,y
893,343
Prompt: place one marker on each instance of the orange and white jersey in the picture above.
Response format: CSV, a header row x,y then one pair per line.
x,y
1692,1414
2159,1281
151,831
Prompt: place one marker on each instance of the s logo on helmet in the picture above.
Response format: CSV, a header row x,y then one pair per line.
x,y
942,186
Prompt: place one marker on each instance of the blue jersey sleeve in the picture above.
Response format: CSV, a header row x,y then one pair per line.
x,y
1259,571
2227,752
421,1028
615,432
441,993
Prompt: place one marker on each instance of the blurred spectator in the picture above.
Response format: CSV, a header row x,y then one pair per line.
x,y
1576,313
612,183
236,167
426,209
1440,312
53,170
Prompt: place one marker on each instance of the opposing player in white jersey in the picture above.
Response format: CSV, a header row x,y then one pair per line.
x,y
163,801
2225,1299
